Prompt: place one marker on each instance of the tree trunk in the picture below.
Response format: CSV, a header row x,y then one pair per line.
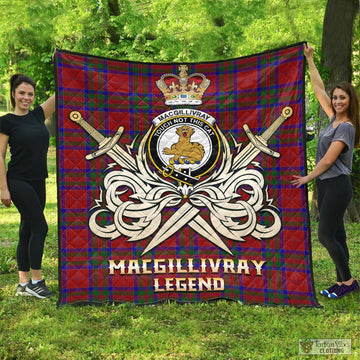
x,y
114,10
337,40
336,57
336,44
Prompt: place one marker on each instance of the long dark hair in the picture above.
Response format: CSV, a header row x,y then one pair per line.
x,y
15,81
353,110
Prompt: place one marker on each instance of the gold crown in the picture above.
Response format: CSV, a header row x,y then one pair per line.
x,y
183,89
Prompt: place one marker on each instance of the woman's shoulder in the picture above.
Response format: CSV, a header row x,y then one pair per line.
x,y
6,123
5,118
345,130
38,111
10,116
346,125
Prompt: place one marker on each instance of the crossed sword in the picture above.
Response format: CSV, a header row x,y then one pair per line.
x,y
186,214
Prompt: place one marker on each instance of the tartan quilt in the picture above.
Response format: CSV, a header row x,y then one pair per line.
x,y
174,180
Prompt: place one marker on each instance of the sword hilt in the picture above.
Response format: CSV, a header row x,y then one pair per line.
x,y
77,118
286,113
106,144
260,141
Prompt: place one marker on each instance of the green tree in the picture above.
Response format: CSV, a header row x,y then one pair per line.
x,y
284,22
26,41
143,30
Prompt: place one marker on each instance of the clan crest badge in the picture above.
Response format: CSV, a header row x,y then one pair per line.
x,y
184,144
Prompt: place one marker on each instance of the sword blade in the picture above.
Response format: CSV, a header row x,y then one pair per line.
x,y
200,225
246,156
122,158
187,214
180,218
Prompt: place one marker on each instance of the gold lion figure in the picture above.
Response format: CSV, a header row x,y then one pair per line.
x,y
184,151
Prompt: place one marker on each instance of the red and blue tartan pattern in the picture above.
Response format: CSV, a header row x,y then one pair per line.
x,y
109,93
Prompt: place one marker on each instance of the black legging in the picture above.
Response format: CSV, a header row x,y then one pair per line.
x,y
29,198
334,195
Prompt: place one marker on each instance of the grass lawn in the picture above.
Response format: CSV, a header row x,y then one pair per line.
x,y
37,329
